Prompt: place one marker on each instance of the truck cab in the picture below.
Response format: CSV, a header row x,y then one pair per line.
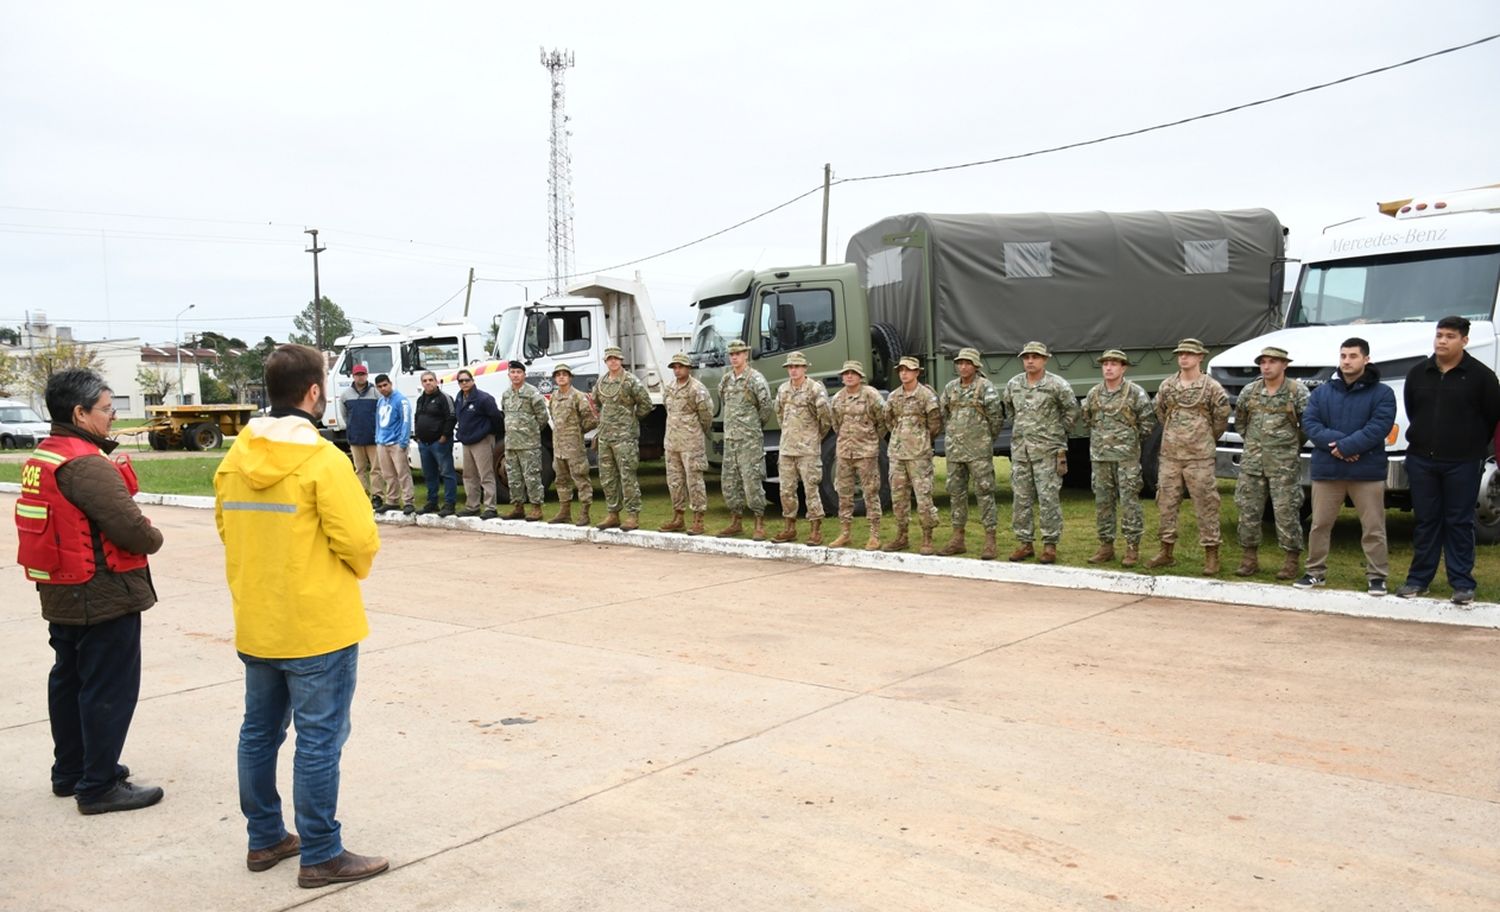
x,y
404,354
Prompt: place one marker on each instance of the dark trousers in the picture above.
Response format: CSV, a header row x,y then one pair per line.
x,y
91,695
1443,494
437,466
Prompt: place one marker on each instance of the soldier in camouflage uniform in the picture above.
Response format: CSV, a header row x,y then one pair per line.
x,y
690,413
525,414
1268,416
972,416
916,420
1042,410
572,417
803,412
1119,416
621,401
859,418
745,397
1193,410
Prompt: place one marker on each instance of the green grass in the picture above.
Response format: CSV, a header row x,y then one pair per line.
x,y
188,475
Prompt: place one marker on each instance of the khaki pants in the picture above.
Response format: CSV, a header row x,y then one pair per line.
x,y
479,474
367,466
395,475
1368,498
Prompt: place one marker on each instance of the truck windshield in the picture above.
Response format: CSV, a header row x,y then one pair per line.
x,y
719,323
376,358
508,325
1417,287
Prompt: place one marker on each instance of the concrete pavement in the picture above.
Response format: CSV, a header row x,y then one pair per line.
x,y
550,724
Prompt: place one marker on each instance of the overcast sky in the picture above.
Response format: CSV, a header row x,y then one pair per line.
x,y
157,155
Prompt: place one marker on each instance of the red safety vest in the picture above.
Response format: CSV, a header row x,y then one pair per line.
x,y
56,538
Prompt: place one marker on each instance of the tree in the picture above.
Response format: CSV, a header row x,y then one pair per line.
x,y
214,390
335,324
10,374
10,335
58,356
154,381
236,366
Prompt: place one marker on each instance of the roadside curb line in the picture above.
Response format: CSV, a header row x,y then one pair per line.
x,y
1257,595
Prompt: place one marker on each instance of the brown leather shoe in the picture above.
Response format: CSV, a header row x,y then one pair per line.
x,y
631,522
1023,551
611,521
734,528
1249,564
534,513
788,531
1210,560
1049,553
697,527
956,544
265,859
1104,555
1132,554
991,549
1288,569
517,511
564,513
1163,558
814,533
346,867
675,524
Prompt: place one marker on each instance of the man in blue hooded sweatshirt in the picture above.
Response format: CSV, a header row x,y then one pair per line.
x,y
392,435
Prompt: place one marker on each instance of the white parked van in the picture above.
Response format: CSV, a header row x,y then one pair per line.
x,y
20,426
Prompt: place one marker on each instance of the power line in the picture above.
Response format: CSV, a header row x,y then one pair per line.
x,y
429,313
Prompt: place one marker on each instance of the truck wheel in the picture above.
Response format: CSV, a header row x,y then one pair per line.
x,y
549,473
885,351
1079,474
203,436
502,480
7,442
829,493
157,439
1150,463
1487,510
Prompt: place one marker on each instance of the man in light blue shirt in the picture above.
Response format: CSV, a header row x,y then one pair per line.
x,y
392,434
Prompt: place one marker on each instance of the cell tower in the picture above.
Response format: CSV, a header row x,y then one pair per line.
x,y
559,176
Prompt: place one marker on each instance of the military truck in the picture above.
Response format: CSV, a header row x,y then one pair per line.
x,y
927,285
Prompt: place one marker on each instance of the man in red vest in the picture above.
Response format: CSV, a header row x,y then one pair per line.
x,y
84,542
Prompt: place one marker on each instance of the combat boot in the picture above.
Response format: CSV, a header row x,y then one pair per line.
x,y
564,513
1023,551
1105,554
991,550
1049,553
899,543
1163,557
631,523
759,533
517,511
955,544
926,540
584,520
534,513
844,536
815,533
1132,553
733,529
1289,567
788,531
697,527
1211,560
1249,564
611,521
873,542
674,524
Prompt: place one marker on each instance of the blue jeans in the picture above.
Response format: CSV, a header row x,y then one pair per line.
x,y
1443,494
315,694
437,461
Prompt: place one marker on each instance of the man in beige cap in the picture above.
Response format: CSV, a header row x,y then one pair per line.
x,y
572,417
621,401
859,419
1042,409
972,417
1119,416
916,420
745,397
803,410
1268,415
690,413
1193,410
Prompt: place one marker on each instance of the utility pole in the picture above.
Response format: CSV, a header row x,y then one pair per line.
x,y
468,292
317,293
559,176
177,320
827,183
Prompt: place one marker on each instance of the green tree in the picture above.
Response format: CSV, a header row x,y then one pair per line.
x,y
10,335
215,390
335,324
154,381
10,374
58,356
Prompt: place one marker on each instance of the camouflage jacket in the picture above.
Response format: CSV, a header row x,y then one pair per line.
x,y
1041,416
747,406
805,417
525,415
972,416
1271,425
690,413
621,405
1192,416
1118,421
860,422
915,420
572,417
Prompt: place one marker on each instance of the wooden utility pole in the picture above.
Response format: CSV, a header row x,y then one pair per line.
x,y
827,182
317,293
469,292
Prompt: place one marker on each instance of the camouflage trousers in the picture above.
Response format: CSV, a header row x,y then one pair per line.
x,y
743,477
1118,484
618,463
983,472
867,470
685,480
1284,488
523,472
1198,476
572,479
1036,488
913,477
809,471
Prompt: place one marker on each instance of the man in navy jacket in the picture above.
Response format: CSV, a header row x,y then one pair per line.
x,y
1347,421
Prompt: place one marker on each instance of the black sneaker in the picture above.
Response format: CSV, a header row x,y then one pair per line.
x,y
1308,581
1463,597
1377,586
1411,590
123,797
409,510
447,510
428,507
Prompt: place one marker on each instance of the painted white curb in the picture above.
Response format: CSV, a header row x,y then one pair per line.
x,y
1229,592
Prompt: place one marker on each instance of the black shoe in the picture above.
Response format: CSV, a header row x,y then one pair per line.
x,y
428,507
1464,598
377,503
447,510
409,510
1411,590
387,508
65,789
489,514
123,797
471,511
1377,586
1308,581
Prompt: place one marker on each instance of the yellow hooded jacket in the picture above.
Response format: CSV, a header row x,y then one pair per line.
x,y
298,537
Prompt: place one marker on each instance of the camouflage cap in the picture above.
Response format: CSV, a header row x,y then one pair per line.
x,y
970,355
614,352
853,366
1191,346
562,369
1114,354
680,358
795,359
738,345
910,363
1271,351
1036,348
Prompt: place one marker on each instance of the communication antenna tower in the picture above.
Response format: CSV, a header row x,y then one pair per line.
x,y
559,176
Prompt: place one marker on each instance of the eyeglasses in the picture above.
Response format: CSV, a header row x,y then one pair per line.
x,y
112,410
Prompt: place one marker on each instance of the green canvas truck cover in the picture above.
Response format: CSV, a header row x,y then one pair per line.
x,y
1083,281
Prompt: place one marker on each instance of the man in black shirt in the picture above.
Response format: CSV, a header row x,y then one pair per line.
x,y
1453,404
434,419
